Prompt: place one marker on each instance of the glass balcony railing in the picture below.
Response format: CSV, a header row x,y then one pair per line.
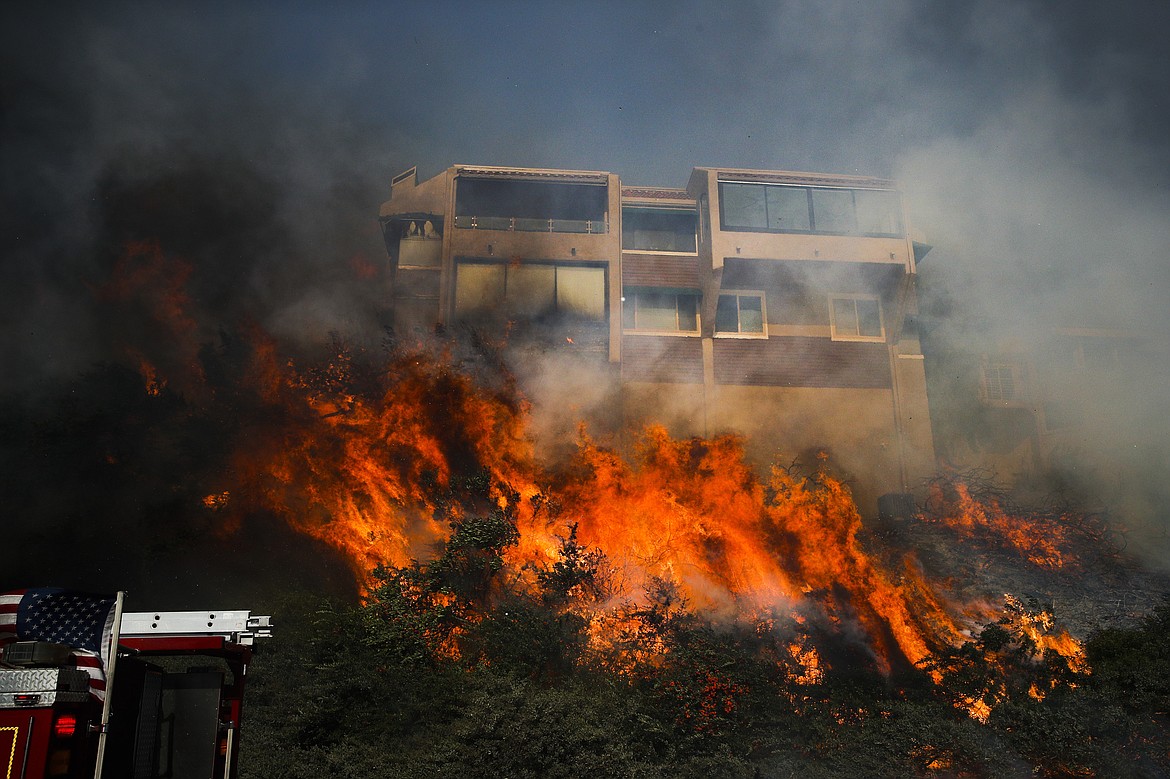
x,y
525,225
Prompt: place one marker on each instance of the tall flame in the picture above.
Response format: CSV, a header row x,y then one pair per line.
x,y
378,461
693,512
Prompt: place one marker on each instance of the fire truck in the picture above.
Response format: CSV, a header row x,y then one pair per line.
x,y
172,703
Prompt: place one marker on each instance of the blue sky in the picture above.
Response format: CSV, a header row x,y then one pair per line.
x,y
644,89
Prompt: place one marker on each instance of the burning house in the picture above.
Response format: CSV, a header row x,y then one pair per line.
x,y
776,305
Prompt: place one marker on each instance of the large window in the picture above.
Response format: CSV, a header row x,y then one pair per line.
x,y
856,318
740,313
879,212
832,211
660,230
581,291
789,209
659,311
529,290
479,289
531,206
758,207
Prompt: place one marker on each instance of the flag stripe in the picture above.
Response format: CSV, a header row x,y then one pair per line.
x,y
82,621
9,604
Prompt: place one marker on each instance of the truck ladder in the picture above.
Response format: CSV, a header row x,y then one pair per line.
x,y
239,627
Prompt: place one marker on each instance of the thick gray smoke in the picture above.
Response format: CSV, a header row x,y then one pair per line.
x,y
124,124
255,144
158,199
1049,219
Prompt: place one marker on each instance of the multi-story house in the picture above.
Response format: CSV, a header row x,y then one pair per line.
x,y
777,305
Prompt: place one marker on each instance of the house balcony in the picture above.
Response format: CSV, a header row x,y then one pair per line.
x,y
527,225
516,238
727,244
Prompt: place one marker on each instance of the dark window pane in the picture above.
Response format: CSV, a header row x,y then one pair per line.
x,y
878,213
530,199
664,231
743,205
688,313
833,211
788,208
869,318
727,315
751,314
844,316
657,311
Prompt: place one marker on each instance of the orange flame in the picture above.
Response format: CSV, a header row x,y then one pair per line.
x,y
1041,543
692,512
376,463
367,473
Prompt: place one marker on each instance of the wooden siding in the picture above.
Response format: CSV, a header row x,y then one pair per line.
x,y
662,359
796,361
656,270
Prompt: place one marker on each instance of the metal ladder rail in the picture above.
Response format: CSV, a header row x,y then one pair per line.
x,y
238,626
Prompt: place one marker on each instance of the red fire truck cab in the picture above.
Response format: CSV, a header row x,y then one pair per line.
x,y
175,701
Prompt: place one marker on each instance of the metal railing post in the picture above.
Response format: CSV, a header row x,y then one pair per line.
x,y
105,724
227,757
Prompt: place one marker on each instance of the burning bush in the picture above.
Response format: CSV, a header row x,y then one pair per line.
x,y
670,608
1055,533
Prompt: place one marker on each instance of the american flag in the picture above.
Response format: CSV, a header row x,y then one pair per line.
x,y
83,621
